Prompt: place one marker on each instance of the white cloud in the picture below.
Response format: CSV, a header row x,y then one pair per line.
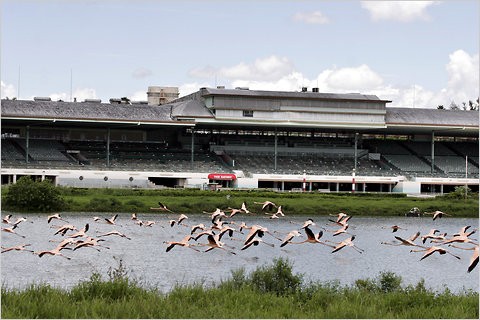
x,y
8,90
273,73
353,79
189,88
81,94
463,83
140,95
262,69
141,73
403,11
315,17
290,82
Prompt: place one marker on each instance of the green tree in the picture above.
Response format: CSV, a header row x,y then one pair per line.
x,y
33,196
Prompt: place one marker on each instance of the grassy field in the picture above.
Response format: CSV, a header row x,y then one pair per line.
x,y
194,201
268,292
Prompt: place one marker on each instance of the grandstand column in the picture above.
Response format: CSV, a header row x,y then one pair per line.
x,y
304,185
355,152
193,147
353,181
433,152
27,142
108,147
275,150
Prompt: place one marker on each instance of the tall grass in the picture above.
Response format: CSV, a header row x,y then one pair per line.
x,y
270,291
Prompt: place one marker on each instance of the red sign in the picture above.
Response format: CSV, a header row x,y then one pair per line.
x,y
222,176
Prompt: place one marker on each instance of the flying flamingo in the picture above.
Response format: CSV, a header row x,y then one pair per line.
x,y
259,231
149,223
288,238
395,228
308,223
255,242
437,214
182,243
280,211
179,220
63,229
461,238
196,227
20,247
162,208
55,216
430,235
217,214
464,232
112,219
430,250
234,211
311,237
90,242
20,220
12,230
224,230
203,233
473,259
213,243
244,208
346,243
406,242
114,232
339,216
53,252
80,233
341,222
6,219
267,205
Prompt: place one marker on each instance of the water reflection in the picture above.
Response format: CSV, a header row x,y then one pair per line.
x,y
146,260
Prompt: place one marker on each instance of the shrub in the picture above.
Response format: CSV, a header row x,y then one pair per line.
x,y
277,278
459,193
29,195
386,282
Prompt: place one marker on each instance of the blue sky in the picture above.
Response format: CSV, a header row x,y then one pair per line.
x,y
415,53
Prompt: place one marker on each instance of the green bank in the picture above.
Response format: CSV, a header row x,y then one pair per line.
x,y
34,196
270,291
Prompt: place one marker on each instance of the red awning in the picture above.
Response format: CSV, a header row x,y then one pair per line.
x,y
222,176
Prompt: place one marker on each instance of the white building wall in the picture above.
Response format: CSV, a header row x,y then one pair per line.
x,y
303,116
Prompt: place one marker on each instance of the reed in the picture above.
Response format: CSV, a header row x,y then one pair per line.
x,y
253,295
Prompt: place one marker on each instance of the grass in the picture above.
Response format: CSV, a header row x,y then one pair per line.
x,y
268,292
189,201
194,201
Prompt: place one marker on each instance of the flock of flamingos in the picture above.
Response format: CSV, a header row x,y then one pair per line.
x,y
222,225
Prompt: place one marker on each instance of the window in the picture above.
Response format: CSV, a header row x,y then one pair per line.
x,y
248,113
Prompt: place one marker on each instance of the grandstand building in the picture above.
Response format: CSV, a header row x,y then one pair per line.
x,y
241,138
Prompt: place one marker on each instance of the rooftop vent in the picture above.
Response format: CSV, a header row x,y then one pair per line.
x,y
93,100
139,102
42,99
242,88
304,89
314,89
115,100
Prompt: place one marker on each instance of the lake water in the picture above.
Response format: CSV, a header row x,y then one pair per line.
x,y
146,260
